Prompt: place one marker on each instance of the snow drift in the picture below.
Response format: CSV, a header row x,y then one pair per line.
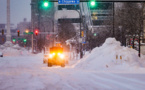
x,y
15,52
111,55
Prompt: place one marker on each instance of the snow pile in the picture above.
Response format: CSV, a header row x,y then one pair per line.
x,y
111,55
15,52
16,46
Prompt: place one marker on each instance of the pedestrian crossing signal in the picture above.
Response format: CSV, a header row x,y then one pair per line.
x,y
36,32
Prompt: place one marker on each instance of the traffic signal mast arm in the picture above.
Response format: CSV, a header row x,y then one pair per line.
x,y
103,0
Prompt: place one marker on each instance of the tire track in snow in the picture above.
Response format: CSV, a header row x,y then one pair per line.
x,y
133,82
111,82
75,82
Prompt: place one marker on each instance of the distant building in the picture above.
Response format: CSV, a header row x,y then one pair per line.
x,y
42,18
2,38
48,20
68,13
4,27
101,13
22,26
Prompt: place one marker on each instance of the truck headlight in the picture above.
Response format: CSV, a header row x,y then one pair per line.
x,y
53,54
61,56
50,55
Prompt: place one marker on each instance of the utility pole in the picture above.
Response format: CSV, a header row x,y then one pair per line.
x,y
32,24
81,54
141,30
32,44
113,21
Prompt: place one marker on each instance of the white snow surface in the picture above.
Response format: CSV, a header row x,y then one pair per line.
x,y
15,52
104,58
27,72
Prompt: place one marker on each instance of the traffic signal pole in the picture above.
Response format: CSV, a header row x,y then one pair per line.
x,y
113,21
32,43
80,45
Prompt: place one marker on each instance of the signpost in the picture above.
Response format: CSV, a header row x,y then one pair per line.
x,y
28,33
20,38
68,1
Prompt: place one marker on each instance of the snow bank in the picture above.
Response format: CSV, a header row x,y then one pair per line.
x,y
15,52
111,55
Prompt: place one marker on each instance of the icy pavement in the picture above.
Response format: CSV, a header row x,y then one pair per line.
x,y
29,73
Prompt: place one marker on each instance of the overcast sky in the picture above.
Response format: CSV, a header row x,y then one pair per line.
x,y
20,9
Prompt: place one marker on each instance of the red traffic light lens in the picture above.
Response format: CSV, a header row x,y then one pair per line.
x,y
36,31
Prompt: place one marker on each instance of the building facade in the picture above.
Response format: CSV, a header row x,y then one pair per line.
x,y
2,37
4,27
22,26
42,18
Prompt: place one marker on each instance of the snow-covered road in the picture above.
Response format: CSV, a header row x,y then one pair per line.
x,y
29,73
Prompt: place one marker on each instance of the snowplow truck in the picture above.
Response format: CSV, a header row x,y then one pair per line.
x,y
56,57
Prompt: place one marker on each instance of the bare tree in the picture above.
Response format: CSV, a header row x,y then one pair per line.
x,y
129,17
66,31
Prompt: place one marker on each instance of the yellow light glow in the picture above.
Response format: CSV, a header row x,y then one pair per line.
x,y
94,17
53,54
61,56
27,31
50,55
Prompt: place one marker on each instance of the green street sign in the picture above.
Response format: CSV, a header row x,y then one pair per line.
x,y
28,33
20,38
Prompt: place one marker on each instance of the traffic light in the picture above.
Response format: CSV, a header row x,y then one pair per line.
x,y
2,31
18,33
45,4
82,33
95,34
14,40
93,3
25,40
36,32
